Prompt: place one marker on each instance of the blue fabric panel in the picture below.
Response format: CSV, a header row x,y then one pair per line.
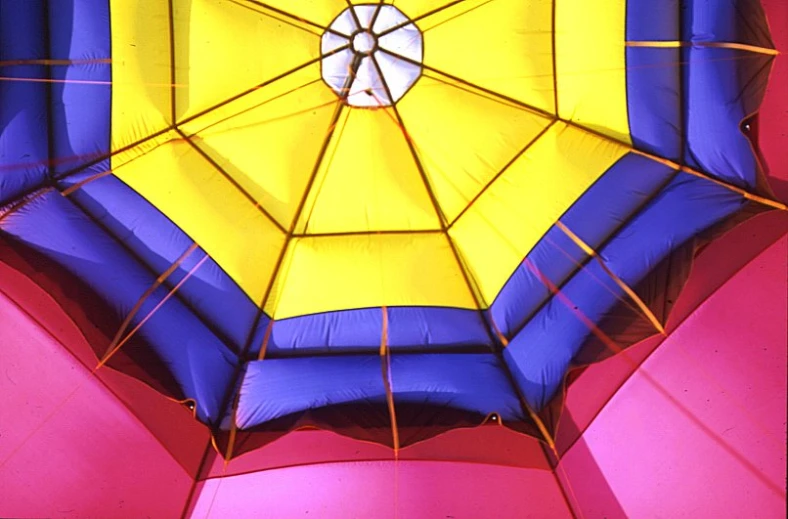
x,y
654,100
158,242
650,20
199,363
275,388
602,209
556,257
470,382
718,90
81,95
541,353
23,102
741,21
419,328
279,387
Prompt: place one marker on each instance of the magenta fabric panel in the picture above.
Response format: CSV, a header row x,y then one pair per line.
x,y
772,135
486,444
385,490
68,447
699,430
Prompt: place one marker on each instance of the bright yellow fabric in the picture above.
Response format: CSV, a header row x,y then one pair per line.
x,y
270,144
508,220
591,65
463,149
183,185
330,273
504,46
140,70
416,8
269,141
368,180
318,12
223,48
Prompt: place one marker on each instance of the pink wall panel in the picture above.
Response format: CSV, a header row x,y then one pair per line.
x,y
486,444
68,448
699,430
384,490
773,131
172,423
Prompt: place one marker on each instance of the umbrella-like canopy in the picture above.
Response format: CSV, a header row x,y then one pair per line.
x,y
386,220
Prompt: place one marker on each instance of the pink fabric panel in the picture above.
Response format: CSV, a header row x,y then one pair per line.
x,y
490,444
384,490
699,430
596,385
717,263
298,448
773,132
172,423
68,448
486,444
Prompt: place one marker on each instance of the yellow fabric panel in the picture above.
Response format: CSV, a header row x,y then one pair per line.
x,y
368,180
269,140
321,274
140,70
416,8
223,48
508,220
318,12
504,46
199,200
463,150
591,65
123,158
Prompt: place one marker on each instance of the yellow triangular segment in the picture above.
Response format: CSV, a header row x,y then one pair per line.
x,y
316,12
464,137
591,65
269,141
368,180
504,46
513,214
125,156
223,47
185,187
140,71
416,8
323,274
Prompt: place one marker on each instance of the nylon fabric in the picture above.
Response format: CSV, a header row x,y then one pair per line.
x,y
715,142
591,78
80,93
141,75
480,42
540,354
463,151
276,388
283,126
317,272
158,242
654,21
726,21
244,241
200,364
247,188
24,115
369,181
606,206
508,220
409,328
237,56
655,100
